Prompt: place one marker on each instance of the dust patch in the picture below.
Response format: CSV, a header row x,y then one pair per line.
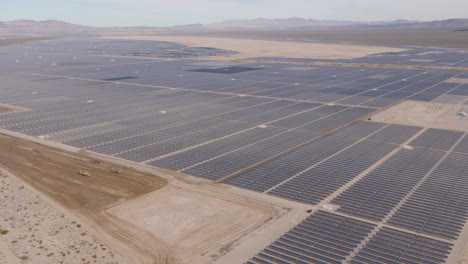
x,y
424,114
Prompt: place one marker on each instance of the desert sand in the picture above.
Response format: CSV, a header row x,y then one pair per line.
x,y
199,224
248,48
55,174
4,109
428,37
425,114
146,218
39,233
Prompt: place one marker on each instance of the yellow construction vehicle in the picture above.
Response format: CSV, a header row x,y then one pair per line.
x,y
85,173
118,171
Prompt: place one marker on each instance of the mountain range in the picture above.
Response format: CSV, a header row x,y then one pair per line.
x,y
302,23
41,27
60,27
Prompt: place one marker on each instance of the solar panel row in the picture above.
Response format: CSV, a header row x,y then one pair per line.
x,y
374,196
391,247
313,185
272,173
438,206
321,238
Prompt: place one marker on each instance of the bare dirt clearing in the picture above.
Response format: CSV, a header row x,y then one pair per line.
x,y
200,224
139,215
248,48
4,109
38,233
56,174
433,115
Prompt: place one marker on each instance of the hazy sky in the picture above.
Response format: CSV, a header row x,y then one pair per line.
x,y
176,12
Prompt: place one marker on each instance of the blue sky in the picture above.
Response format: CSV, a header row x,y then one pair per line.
x,y
176,12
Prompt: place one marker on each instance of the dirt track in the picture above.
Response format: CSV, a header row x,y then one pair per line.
x,y
55,174
4,109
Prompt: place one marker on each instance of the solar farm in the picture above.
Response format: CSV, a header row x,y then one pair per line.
x,y
305,133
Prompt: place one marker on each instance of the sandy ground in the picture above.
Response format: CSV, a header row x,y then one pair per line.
x,y
433,115
200,224
432,37
55,174
143,217
4,109
248,48
39,233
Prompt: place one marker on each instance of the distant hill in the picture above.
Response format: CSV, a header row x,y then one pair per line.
x,y
263,23
449,23
61,27
190,26
42,27
302,23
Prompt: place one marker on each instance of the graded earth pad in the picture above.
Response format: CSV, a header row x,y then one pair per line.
x,y
248,48
425,114
200,224
57,175
140,215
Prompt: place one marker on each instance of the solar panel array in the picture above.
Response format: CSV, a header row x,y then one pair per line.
x,y
317,183
438,206
329,238
290,131
321,238
381,190
437,139
417,56
392,246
